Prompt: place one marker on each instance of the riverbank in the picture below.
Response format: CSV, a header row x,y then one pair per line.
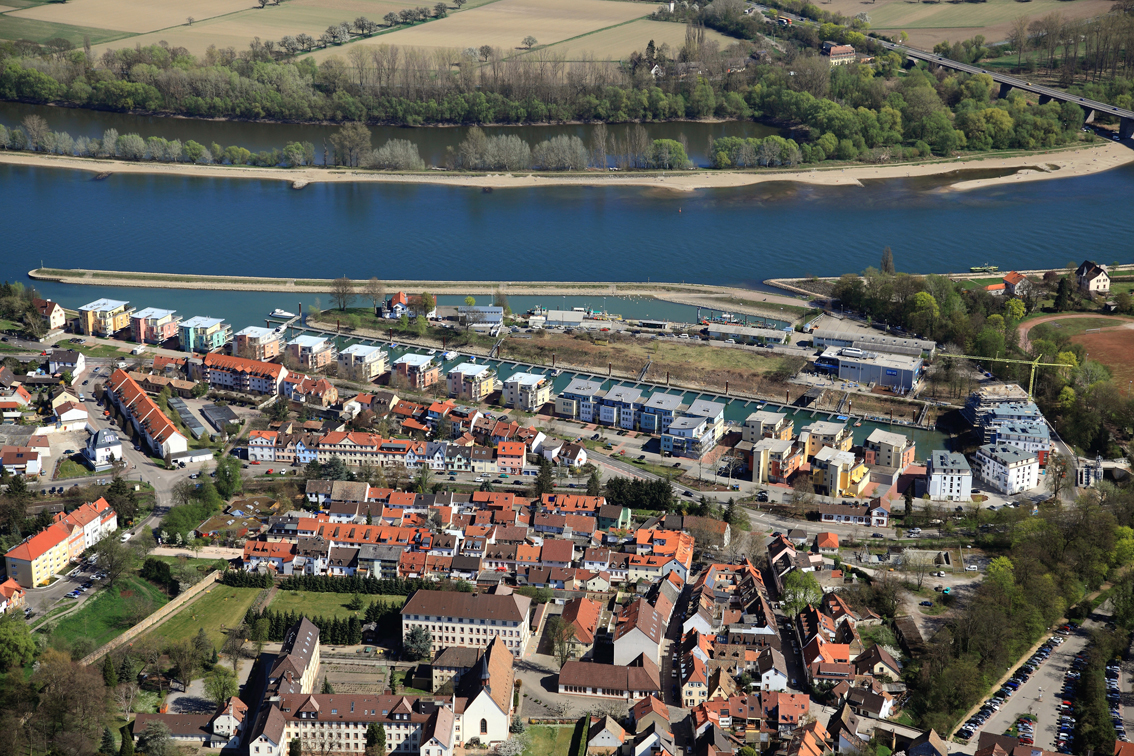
x,y
734,299
1078,161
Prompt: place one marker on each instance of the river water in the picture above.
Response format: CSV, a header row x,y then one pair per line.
x,y
431,141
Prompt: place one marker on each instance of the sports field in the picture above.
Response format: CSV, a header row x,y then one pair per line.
x,y
1112,348
928,23
505,24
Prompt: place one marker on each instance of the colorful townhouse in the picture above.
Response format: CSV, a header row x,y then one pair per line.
x,y
470,381
527,392
257,343
104,317
153,325
363,362
886,449
419,371
202,334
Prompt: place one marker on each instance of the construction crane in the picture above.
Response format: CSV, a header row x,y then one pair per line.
x,y
1034,363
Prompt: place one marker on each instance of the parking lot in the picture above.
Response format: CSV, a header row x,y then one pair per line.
x,y
1038,696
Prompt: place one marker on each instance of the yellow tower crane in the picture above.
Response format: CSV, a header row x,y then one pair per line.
x,y
1034,363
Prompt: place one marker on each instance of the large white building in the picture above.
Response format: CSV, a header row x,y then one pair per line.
x,y
527,391
948,477
1009,469
102,449
469,619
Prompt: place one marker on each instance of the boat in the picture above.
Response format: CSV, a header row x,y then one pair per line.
x,y
450,355
278,313
986,268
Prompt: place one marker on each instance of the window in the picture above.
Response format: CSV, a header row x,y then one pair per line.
x,y
483,727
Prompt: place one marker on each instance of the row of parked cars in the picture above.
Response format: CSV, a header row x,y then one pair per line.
x,y
1114,698
1070,692
1022,675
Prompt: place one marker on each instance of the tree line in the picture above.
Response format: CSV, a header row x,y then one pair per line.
x,y
332,630
366,585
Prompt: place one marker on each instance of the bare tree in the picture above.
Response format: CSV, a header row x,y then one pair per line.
x,y
125,695
375,292
190,20
36,130
600,140
920,563
562,634
234,645
342,292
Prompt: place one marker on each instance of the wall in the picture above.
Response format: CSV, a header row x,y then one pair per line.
x,y
156,618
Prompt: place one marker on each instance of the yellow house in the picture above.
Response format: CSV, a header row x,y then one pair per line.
x,y
33,561
471,381
104,317
838,473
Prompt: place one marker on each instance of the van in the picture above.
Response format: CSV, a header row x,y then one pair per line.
x,y
126,536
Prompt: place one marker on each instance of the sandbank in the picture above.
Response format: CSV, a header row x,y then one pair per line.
x,y
1031,167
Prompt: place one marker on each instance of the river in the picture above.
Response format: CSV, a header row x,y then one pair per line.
x,y
431,141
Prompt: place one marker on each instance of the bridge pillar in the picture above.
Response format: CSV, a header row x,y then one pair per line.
x,y
909,63
1126,129
1090,116
1005,88
1044,99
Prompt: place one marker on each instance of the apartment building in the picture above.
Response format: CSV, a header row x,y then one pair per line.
x,y
363,361
153,325
838,55
713,414
33,561
527,392
257,343
156,430
203,334
419,371
470,381
659,411
242,374
619,407
580,400
510,457
825,433
104,317
886,449
838,473
765,424
688,437
775,460
1009,469
311,352
469,619
948,477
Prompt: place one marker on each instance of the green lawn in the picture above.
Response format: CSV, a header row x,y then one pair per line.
x,y
208,564
219,606
69,468
102,617
398,676
1076,326
324,604
549,740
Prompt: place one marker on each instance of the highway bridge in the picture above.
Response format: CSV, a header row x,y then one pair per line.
x,y
1007,83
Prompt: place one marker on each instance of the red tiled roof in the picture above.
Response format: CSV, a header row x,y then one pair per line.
x,y
583,613
39,544
242,365
143,408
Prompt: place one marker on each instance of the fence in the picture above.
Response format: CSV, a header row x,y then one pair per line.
x,y
154,619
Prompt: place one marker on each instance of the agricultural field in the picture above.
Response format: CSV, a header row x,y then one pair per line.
x,y
616,43
135,16
325,604
928,23
505,23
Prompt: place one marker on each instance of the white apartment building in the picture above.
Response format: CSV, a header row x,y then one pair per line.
x,y
1009,469
948,477
370,361
527,391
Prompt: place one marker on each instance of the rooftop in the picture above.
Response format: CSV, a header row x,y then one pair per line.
x,y
879,436
256,332
582,387
201,321
309,342
526,379
705,408
362,350
627,394
1007,454
471,369
663,401
102,305
414,360
939,459
152,312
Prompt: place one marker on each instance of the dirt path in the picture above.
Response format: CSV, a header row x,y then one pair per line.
x,y
1026,327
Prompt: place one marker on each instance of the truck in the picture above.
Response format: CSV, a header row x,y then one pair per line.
x,y
138,349
783,21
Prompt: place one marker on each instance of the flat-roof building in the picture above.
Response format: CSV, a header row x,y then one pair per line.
x,y
898,372
579,400
527,391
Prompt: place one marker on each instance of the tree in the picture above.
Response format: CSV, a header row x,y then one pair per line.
x,y
1059,472
1063,295
185,658
261,629
375,292
440,10
114,558
36,131
295,747
544,483
127,748
470,301
155,740
1018,38
355,603
428,303
594,483
106,746
801,589
228,481
530,42
375,740
887,261
202,644
234,645
562,633
920,563
16,645
418,642
189,20
109,673
351,142
342,291
122,499
220,685
328,689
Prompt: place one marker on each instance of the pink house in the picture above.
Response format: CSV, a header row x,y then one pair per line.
x,y
510,457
